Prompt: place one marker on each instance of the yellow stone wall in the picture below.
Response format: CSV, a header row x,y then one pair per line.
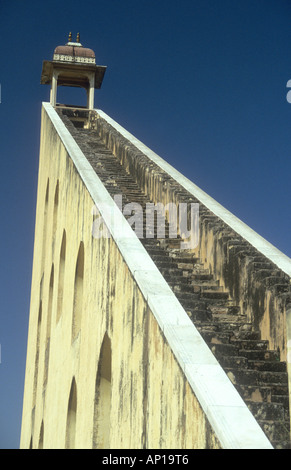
x,y
152,404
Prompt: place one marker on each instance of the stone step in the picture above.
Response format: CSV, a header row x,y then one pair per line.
x,y
150,227
171,272
279,389
225,309
275,366
254,377
282,399
233,361
229,319
210,285
263,355
234,328
267,411
275,430
162,261
198,315
198,272
206,288
250,344
215,337
192,303
169,243
183,255
152,246
247,334
223,350
180,287
214,295
191,298
255,393
200,276
215,304
185,264
281,445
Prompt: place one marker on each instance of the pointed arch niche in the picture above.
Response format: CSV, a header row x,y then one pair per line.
x,y
37,352
102,405
40,442
48,325
44,232
61,277
78,293
71,417
56,205
50,304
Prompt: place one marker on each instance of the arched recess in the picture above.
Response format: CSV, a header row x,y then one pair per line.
x,y
56,205
50,303
102,404
61,277
48,325
71,417
78,293
44,231
36,364
40,442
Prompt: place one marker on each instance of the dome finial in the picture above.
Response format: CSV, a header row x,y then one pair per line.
x,y
70,37
78,37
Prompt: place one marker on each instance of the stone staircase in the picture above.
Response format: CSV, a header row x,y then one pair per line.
x,y
255,370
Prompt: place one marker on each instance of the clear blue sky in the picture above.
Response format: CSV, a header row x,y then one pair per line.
x,y
201,82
